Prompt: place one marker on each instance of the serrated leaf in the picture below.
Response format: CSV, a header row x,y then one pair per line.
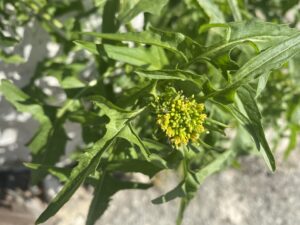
x,y
89,161
131,135
268,60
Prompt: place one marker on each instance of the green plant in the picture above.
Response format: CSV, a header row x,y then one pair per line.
x,y
157,99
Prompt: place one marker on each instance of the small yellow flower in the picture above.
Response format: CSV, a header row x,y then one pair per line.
x,y
180,117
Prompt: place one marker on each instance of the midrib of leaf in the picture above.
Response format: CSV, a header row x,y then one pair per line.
x,y
276,51
215,166
91,158
173,75
87,164
152,41
236,42
233,4
92,215
261,60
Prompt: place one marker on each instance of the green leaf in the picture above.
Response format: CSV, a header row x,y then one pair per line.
x,y
52,146
246,94
129,134
212,10
175,42
294,129
43,141
105,188
62,174
262,34
150,58
192,181
11,58
242,119
252,124
219,163
233,4
133,165
173,75
262,83
110,24
7,41
150,6
89,161
268,60
177,192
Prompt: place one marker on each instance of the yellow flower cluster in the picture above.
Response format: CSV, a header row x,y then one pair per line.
x,y
181,118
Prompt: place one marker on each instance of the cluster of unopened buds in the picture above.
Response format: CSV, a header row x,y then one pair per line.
x,y
181,118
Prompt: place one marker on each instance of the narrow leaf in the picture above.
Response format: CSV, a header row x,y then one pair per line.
x,y
150,6
175,42
246,95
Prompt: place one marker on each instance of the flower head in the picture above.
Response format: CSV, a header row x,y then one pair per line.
x,y
181,118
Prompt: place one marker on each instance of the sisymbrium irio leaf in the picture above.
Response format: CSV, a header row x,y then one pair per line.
x,y
247,94
89,161
42,145
268,60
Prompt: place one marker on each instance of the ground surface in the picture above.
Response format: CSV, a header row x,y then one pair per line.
x,y
248,196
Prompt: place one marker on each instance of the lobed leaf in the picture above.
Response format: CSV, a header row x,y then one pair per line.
x,y
90,160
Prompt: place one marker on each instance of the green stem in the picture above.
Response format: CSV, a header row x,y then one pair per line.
x,y
235,10
182,207
183,201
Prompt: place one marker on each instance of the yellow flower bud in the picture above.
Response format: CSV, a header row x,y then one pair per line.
x,y
184,123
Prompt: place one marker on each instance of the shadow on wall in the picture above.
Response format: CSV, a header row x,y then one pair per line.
x,y
16,128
